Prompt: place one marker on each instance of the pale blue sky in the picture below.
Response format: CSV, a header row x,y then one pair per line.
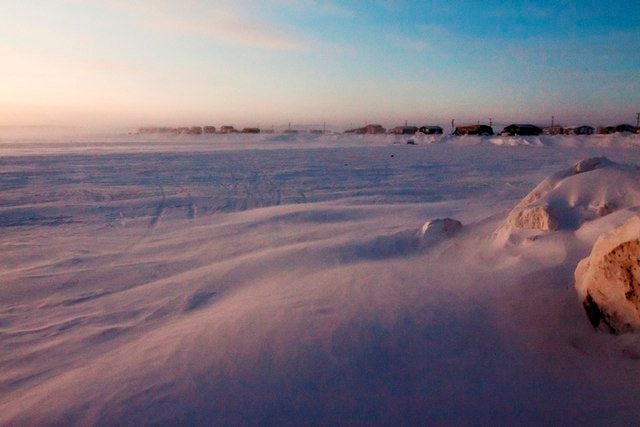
x,y
126,63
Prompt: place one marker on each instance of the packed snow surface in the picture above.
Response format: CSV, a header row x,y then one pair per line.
x,y
282,279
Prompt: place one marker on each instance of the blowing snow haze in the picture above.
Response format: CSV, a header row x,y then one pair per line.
x,y
234,279
190,274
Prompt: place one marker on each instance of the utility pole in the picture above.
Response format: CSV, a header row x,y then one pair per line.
x,y
453,125
405,123
490,121
324,127
553,118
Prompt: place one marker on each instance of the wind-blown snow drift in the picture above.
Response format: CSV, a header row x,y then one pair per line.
x,y
279,281
590,189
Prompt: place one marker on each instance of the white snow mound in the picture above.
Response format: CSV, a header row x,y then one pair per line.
x,y
439,228
590,189
608,281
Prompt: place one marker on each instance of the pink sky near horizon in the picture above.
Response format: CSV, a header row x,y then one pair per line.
x,y
111,63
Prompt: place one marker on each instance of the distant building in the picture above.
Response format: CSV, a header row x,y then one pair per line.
x,y
251,130
579,130
370,129
431,130
625,128
521,129
473,130
373,129
228,129
195,130
209,129
404,130
605,130
290,131
360,131
553,130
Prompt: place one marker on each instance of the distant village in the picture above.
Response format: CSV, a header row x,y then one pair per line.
x,y
376,129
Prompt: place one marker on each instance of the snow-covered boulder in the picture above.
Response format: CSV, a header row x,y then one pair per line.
x,y
534,217
608,281
439,228
590,189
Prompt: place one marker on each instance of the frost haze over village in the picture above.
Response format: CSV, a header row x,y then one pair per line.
x,y
237,212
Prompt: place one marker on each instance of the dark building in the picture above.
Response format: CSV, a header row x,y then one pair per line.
x,y
404,130
209,129
625,128
473,130
515,129
251,130
579,130
431,130
605,130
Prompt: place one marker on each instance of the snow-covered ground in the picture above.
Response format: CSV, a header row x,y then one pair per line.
x,y
282,279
